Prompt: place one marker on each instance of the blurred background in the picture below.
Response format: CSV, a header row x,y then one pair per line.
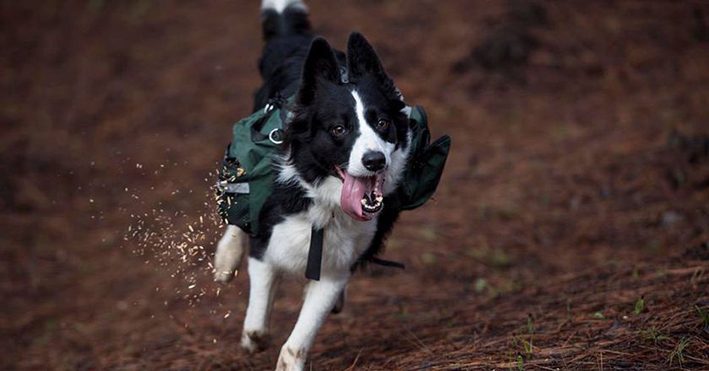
x,y
570,230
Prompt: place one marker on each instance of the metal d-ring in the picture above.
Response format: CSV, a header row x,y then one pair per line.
x,y
272,136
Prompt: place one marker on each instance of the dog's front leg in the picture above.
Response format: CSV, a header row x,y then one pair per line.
x,y
230,251
264,280
320,298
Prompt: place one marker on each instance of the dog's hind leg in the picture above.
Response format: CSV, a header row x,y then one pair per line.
x,y
230,251
320,298
264,281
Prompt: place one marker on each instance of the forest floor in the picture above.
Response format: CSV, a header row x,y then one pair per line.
x,y
570,229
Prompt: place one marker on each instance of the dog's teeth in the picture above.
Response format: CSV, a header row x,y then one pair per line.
x,y
372,204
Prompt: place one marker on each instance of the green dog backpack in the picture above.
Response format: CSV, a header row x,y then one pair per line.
x,y
247,171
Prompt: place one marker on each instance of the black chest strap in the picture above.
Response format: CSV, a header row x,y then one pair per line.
x,y
314,265
312,270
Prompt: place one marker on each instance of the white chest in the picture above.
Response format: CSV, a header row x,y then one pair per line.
x,y
344,241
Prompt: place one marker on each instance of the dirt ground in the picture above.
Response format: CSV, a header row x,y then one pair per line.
x,y
570,230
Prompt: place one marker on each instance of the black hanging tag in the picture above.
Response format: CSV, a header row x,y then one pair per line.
x,y
386,263
312,270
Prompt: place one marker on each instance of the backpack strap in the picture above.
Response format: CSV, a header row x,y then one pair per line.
x,y
386,263
312,269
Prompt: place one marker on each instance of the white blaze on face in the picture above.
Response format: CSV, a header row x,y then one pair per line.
x,y
368,140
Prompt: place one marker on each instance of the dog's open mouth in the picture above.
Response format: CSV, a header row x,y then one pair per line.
x,y
361,197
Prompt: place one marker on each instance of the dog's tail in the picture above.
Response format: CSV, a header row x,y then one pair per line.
x,y
283,18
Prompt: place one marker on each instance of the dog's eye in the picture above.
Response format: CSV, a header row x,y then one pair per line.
x,y
382,124
338,130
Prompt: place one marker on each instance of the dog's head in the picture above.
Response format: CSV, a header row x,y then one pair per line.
x,y
354,132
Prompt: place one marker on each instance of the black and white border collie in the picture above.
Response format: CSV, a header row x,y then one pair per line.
x,y
346,146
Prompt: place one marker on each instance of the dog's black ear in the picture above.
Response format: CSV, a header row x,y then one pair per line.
x,y
362,60
320,65
361,57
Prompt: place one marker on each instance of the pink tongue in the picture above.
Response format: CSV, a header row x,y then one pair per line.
x,y
353,191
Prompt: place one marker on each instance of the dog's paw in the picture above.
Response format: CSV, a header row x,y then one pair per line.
x,y
255,341
224,276
229,253
291,359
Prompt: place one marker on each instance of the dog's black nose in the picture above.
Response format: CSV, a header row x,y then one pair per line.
x,y
374,160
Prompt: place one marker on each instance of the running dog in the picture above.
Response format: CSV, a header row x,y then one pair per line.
x,y
345,147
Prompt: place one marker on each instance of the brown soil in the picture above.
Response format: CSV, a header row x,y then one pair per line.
x,y
570,230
